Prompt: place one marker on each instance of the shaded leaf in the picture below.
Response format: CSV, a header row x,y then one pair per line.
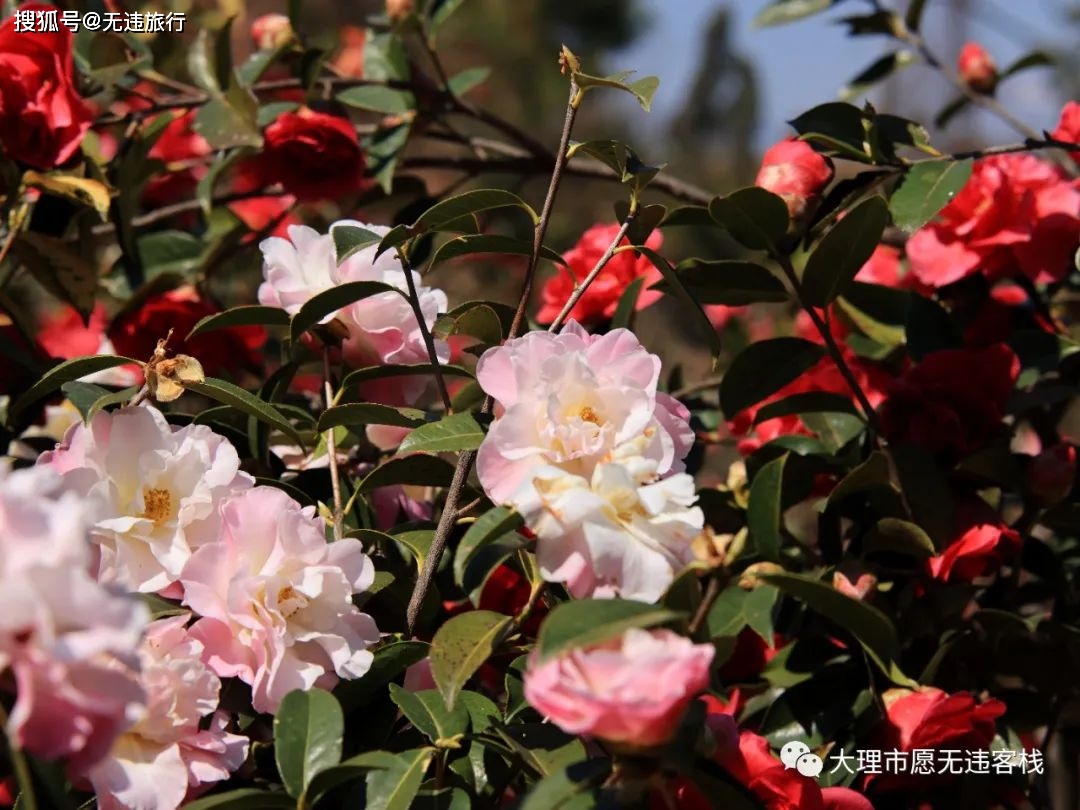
x,y
317,308
427,711
732,283
754,217
308,730
369,413
764,514
252,315
228,394
348,239
390,660
65,372
419,469
763,368
468,204
488,243
378,98
571,788
843,251
81,190
676,286
490,526
786,11
243,799
402,370
808,402
891,534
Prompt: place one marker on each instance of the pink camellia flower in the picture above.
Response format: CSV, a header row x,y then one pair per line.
x,y
382,329
795,172
631,691
276,599
602,296
166,757
270,31
620,533
153,491
569,400
977,68
1017,214
69,642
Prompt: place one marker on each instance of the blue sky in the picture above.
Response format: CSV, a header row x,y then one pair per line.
x,y
806,63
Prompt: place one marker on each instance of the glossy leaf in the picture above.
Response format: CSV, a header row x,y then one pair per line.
x,y
329,301
676,286
427,711
765,513
763,368
900,536
468,204
370,413
308,730
361,375
251,315
489,527
732,283
419,469
243,799
754,217
228,394
582,622
786,11
395,787
451,434
927,187
65,372
808,402
642,89
571,788
461,83
378,99
627,306
461,645
390,660
348,239
497,244
843,251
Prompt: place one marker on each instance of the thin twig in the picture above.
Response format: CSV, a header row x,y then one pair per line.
x,y
545,213
331,447
429,340
21,768
712,593
579,289
831,346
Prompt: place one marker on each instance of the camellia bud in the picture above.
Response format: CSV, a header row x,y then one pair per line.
x,y
798,174
271,31
977,68
398,10
1051,473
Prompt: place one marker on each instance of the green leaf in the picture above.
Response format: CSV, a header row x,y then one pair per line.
x,y
879,312
461,645
571,788
250,315
489,527
384,148
463,82
627,306
243,799
808,402
115,398
65,372
389,662
765,514
488,243
395,787
736,609
843,251
876,72
417,543
914,14
754,217
676,286
891,534
402,370
228,394
786,11
867,624
927,187
308,730
459,431
440,13
486,560
419,469
733,283
836,124
369,413
60,269
83,395
763,368
871,474
584,622
170,252
348,239
379,99
427,711
468,204
329,301
927,491
642,89
950,111
1029,60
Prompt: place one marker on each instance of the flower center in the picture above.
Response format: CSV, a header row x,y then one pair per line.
x,y
289,601
157,504
587,414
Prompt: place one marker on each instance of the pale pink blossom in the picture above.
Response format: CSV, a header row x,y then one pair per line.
x,y
621,533
569,401
165,757
631,691
153,491
276,599
382,328
68,641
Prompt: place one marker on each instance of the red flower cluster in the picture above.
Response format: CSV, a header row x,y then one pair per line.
x,y
42,117
313,155
1018,214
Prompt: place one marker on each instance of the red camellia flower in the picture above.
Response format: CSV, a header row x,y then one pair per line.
x,y
1017,214
178,143
981,544
313,155
136,332
932,719
977,68
270,31
42,118
1068,128
952,401
794,171
1051,474
602,297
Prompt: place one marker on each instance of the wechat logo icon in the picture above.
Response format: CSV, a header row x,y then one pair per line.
x,y
798,756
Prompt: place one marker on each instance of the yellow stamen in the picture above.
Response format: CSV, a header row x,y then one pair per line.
x,y
157,504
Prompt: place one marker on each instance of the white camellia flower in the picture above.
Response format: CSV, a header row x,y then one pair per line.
x,y
624,532
152,489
